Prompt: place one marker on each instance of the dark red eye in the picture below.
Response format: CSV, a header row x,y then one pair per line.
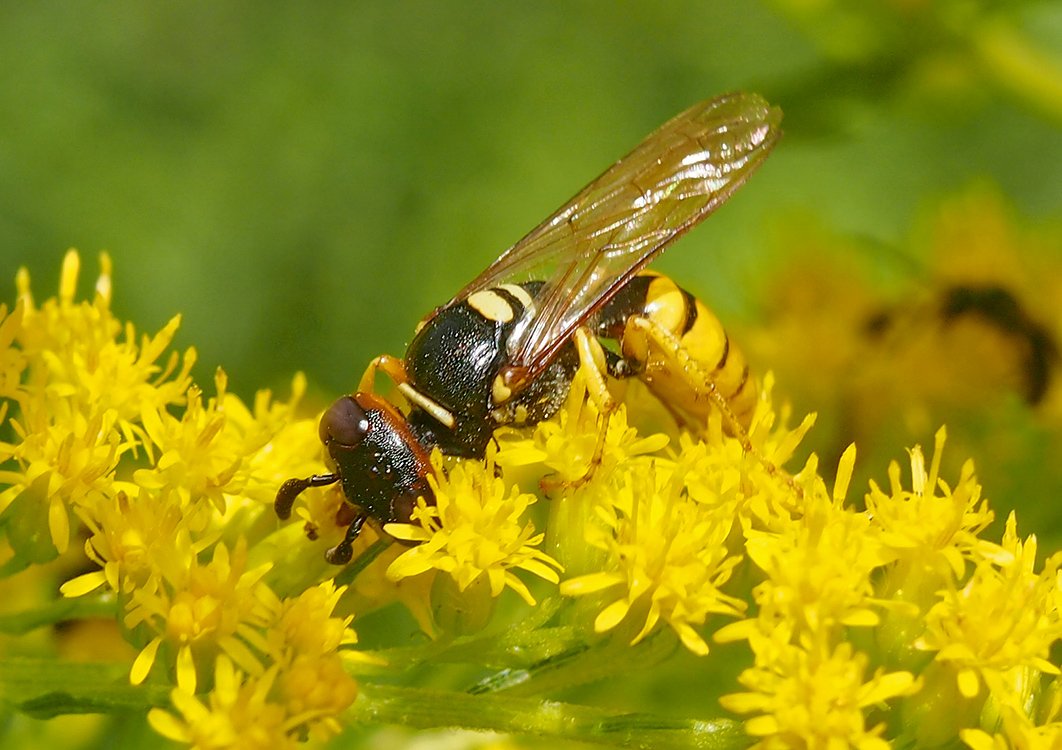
x,y
345,423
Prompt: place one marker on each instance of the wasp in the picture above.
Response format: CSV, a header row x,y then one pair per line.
x,y
506,348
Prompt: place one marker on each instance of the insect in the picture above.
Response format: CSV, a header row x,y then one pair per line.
x,y
998,308
505,349
1025,351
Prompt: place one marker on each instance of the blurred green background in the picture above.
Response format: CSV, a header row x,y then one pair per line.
x,y
302,182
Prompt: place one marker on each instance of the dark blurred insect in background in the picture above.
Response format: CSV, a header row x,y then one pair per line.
x,y
958,324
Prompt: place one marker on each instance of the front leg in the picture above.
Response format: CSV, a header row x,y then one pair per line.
x,y
294,487
392,366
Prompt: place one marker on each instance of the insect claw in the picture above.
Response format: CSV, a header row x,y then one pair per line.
x,y
340,554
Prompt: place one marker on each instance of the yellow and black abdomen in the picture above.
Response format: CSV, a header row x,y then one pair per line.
x,y
678,347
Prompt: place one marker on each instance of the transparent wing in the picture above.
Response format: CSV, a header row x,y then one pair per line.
x,y
589,248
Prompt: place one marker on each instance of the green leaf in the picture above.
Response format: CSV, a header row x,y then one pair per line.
x,y
43,688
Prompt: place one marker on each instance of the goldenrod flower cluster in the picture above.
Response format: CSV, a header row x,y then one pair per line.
x,y
114,445
884,618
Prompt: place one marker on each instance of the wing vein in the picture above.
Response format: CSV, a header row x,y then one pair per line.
x,y
590,247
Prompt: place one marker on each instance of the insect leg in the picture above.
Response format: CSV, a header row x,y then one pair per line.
x,y
342,552
677,361
394,367
593,366
294,487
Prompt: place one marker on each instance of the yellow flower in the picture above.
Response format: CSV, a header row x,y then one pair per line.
x,y
75,353
932,527
666,554
12,359
199,459
476,528
301,693
79,393
819,574
665,524
305,640
1004,618
239,713
64,458
173,544
304,625
275,442
848,611
566,443
813,697
314,691
199,609
127,537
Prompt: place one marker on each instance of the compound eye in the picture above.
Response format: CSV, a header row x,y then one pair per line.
x,y
345,423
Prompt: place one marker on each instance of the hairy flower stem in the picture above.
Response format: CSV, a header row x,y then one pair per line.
x,y
583,663
427,709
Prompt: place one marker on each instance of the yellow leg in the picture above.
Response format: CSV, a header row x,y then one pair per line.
x,y
392,366
592,364
593,368
700,383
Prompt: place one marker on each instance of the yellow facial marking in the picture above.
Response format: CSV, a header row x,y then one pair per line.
x,y
491,306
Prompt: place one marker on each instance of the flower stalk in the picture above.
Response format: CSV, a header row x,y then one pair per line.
x,y
420,708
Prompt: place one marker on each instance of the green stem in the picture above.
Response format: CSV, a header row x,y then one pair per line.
x,y
1018,66
78,608
433,709
362,562
529,659
581,663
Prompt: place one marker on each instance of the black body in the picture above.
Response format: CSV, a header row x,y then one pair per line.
x,y
454,359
